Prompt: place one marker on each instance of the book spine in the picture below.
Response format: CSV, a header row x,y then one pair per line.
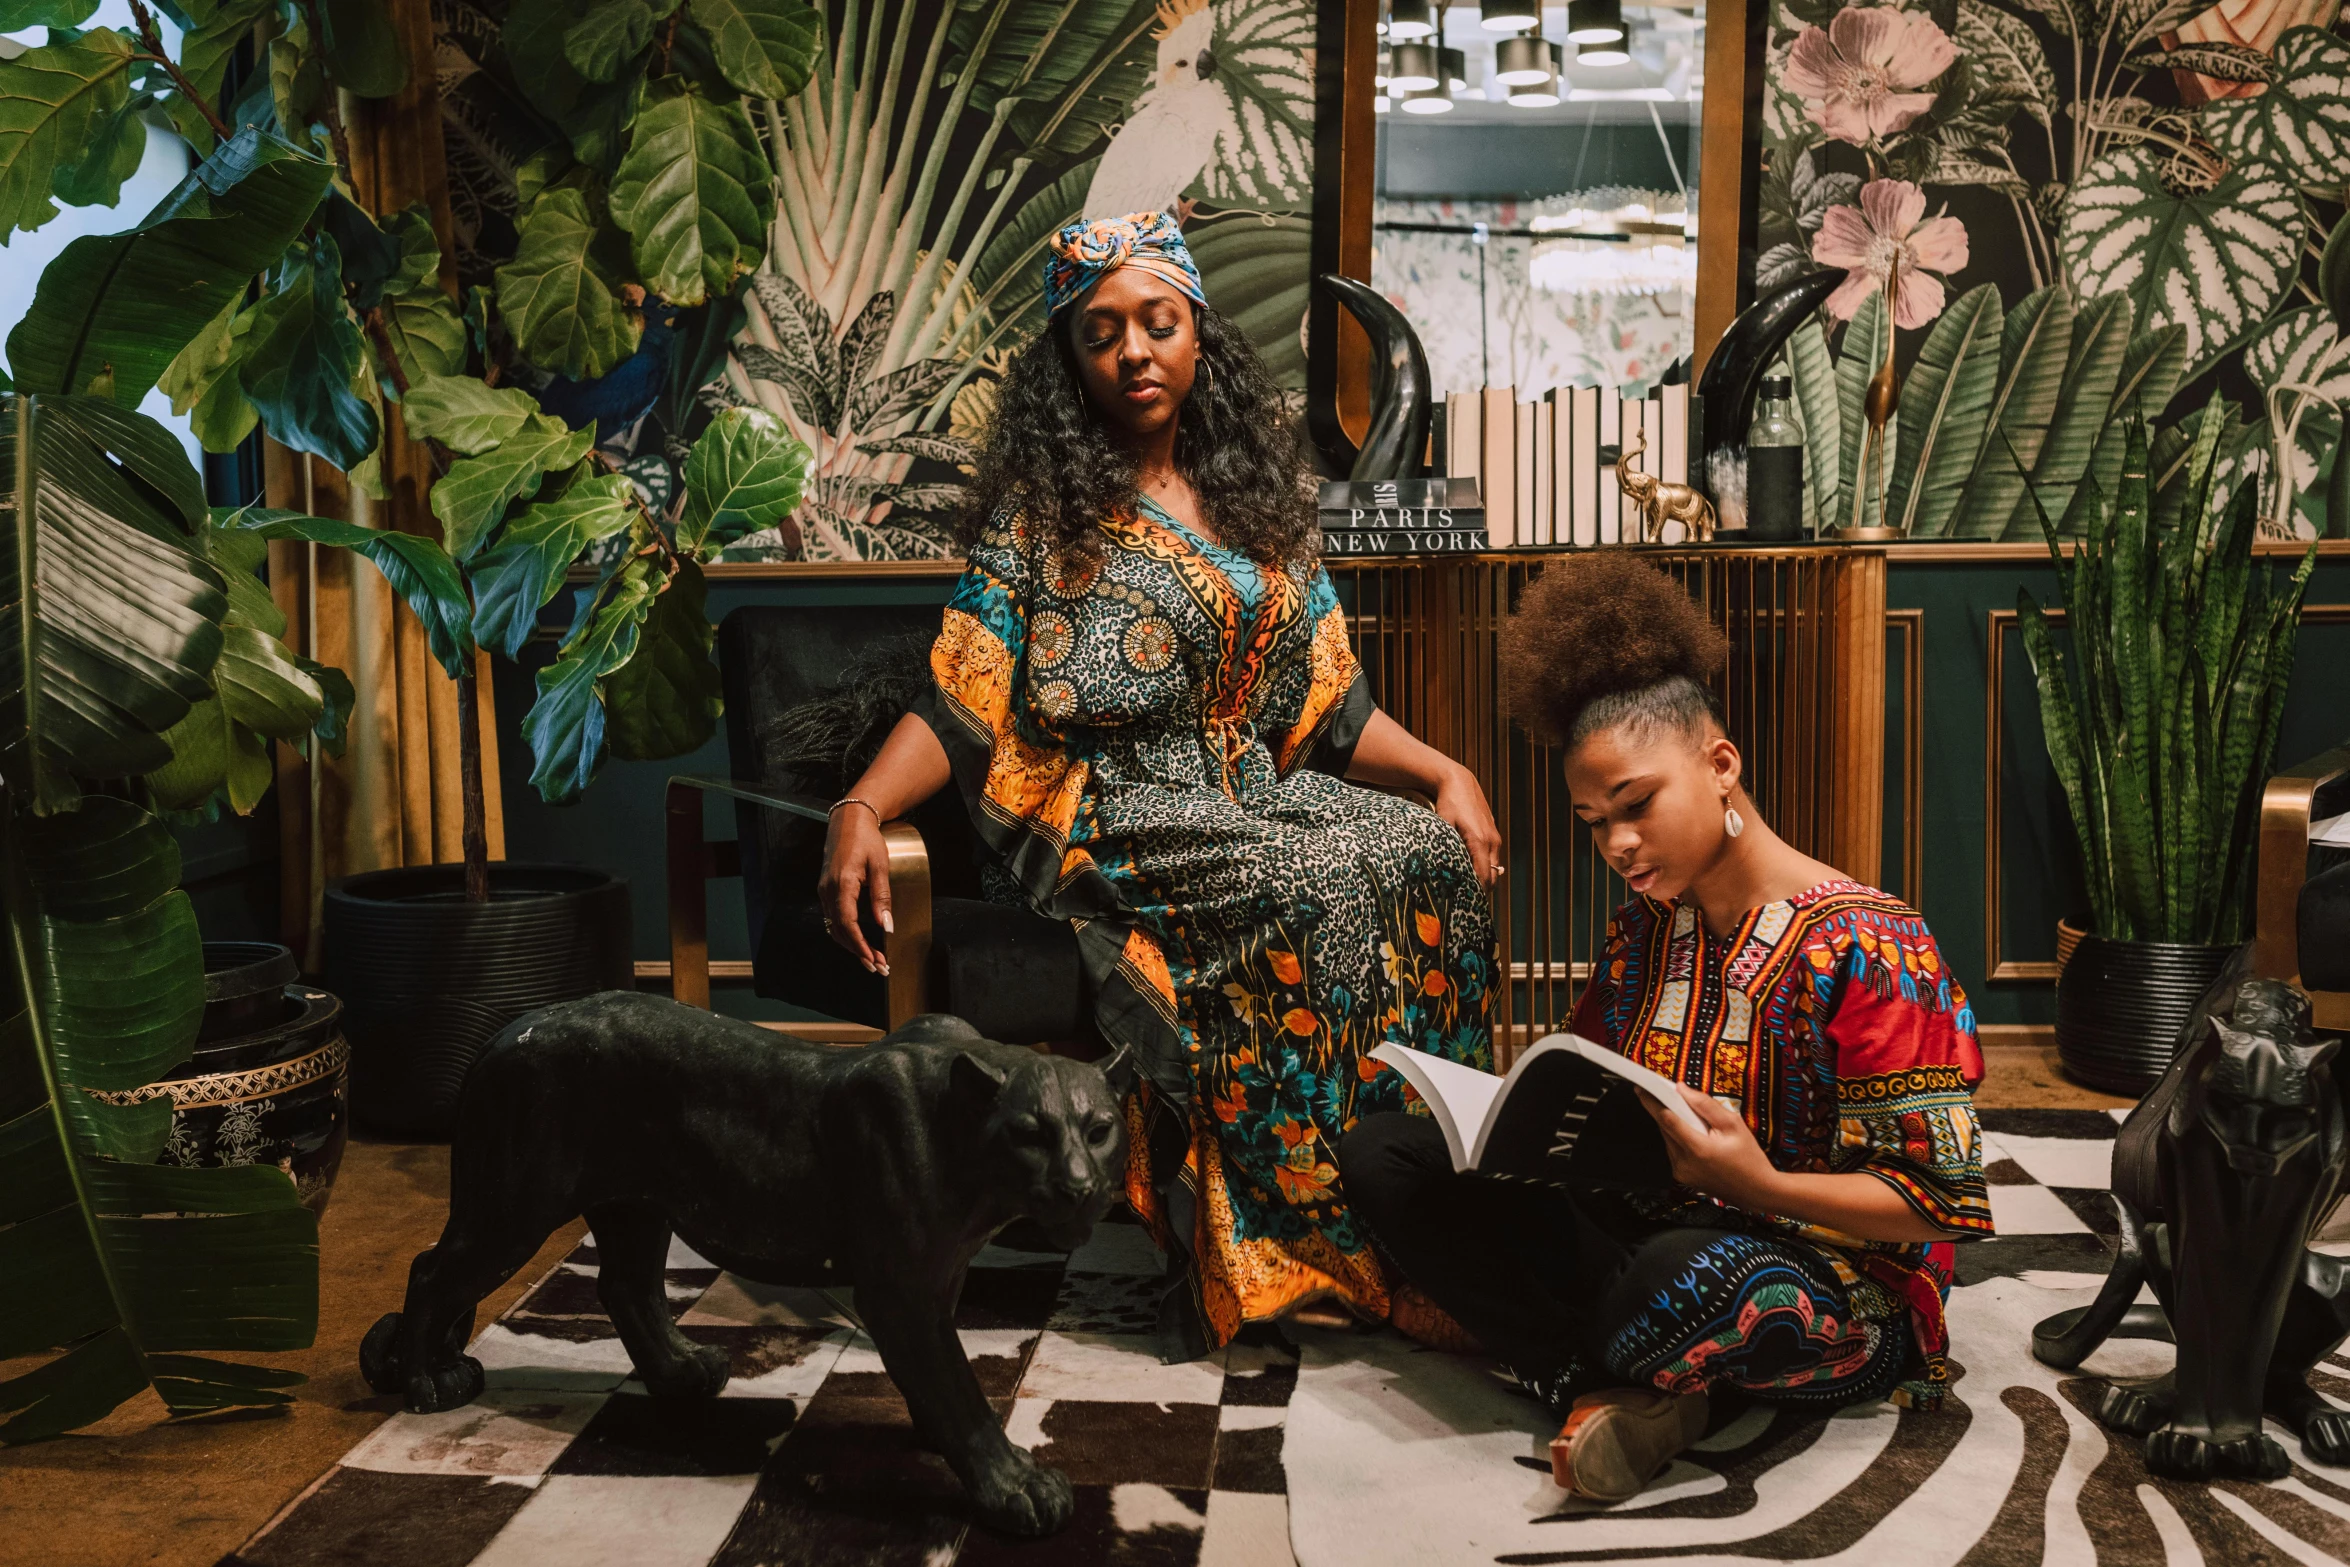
x,y
1499,463
1526,515
1674,405
1611,433
1546,469
1461,426
1583,465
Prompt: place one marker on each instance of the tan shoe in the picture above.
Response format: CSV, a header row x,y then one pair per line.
x,y
1616,1441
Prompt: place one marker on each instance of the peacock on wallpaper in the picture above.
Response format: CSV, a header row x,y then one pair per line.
x,y
936,146
2094,207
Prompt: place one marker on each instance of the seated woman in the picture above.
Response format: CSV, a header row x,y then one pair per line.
x,y
1145,690
1803,1255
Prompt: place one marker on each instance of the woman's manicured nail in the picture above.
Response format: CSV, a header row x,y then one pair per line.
x,y
887,923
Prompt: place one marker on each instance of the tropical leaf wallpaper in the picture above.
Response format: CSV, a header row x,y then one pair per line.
x,y
2130,198
935,148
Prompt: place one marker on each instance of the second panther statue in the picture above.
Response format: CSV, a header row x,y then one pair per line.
x,y
886,1167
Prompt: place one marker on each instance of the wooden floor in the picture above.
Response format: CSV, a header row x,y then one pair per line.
x,y
137,1489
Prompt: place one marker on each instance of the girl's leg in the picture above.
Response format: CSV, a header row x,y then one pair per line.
x,y
1695,1307
1501,1258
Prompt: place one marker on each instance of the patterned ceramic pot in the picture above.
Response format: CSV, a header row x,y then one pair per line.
x,y
276,1094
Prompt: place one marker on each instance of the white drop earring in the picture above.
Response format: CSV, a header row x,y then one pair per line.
x,y
1732,822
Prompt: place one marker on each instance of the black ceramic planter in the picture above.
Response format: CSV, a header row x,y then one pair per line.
x,y
427,979
2120,1006
267,1082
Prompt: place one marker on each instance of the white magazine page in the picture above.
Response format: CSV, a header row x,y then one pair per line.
x,y
1460,1097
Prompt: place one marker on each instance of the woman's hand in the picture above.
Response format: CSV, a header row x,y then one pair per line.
x,y
1722,1161
1461,802
856,871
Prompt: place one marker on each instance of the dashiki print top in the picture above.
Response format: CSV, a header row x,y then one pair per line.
x,y
1830,1023
1151,742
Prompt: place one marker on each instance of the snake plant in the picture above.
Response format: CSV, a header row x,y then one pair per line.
x,y
2162,719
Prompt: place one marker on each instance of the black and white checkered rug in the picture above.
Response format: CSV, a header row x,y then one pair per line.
x,y
1315,1447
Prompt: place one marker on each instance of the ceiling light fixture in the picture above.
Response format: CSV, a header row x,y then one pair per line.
x,y
1456,70
1426,100
1511,16
1408,20
1521,62
1603,54
1412,68
1595,22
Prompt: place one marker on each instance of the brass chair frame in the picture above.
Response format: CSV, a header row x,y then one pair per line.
x,y
2286,806
694,860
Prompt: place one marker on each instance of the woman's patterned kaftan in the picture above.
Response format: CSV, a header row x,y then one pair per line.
x,y
1151,745
1829,1022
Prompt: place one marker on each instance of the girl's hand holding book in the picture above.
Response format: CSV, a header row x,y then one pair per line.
x,y
1724,1160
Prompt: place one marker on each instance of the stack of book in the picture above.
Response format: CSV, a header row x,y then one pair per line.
x,y
1403,517
1546,468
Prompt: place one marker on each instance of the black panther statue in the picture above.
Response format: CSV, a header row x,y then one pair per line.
x,y
2220,1175
886,1167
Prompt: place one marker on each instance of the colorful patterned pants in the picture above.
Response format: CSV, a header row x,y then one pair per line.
x,y
1547,1280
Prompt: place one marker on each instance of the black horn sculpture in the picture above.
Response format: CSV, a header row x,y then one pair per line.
x,y
1734,372
1393,447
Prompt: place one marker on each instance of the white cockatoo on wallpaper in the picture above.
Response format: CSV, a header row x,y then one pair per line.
x,y
1172,131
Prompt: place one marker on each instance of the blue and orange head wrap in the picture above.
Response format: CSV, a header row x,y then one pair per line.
x,y
1090,249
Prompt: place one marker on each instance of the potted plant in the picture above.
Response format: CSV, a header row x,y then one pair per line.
x,y
2161,738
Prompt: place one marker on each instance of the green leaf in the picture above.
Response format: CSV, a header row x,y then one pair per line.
x,y
128,303
2333,273
593,116
601,44
2035,346
559,293
418,569
2212,262
516,578
111,156
2084,409
1008,277
666,699
425,333
694,193
765,48
52,101
565,726
362,48
744,474
18,15
153,461
472,497
205,52
807,365
1857,360
301,357
202,383
2220,62
125,637
124,1261
1823,424
464,414
2302,121
1945,407
212,756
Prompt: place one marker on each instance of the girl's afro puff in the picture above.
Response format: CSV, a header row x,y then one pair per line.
x,y
1600,627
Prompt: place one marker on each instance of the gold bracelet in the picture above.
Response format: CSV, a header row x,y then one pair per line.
x,y
850,799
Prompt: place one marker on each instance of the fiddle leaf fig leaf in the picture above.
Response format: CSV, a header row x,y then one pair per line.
x,y
694,193
666,699
302,355
765,48
594,116
745,473
513,580
558,293
53,100
464,414
425,332
601,44
565,726
115,147
128,303
17,15
472,497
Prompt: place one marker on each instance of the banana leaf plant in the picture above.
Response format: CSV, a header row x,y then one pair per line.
x,y
2162,718
132,646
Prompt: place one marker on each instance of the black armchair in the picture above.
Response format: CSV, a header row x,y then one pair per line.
x,y
2302,932
1014,975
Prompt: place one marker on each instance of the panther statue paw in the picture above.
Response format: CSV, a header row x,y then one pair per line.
x,y
1020,1496
2136,1408
700,1373
2325,1439
2181,1455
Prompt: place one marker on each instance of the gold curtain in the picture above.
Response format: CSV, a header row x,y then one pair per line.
x,y
392,798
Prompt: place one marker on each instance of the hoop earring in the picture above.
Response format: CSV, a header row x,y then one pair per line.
x,y
1732,822
1203,375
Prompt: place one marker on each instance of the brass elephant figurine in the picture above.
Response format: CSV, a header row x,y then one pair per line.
x,y
1660,502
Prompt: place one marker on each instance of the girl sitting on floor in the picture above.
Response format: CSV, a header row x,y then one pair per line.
x,y
1804,1254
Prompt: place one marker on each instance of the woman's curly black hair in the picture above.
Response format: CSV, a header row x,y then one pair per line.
x,y
1049,456
1604,639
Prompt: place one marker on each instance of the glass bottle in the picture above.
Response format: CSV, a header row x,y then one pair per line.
x,y
1774,465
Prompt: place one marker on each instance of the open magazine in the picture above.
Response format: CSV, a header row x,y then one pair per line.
x,y
1566,1114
